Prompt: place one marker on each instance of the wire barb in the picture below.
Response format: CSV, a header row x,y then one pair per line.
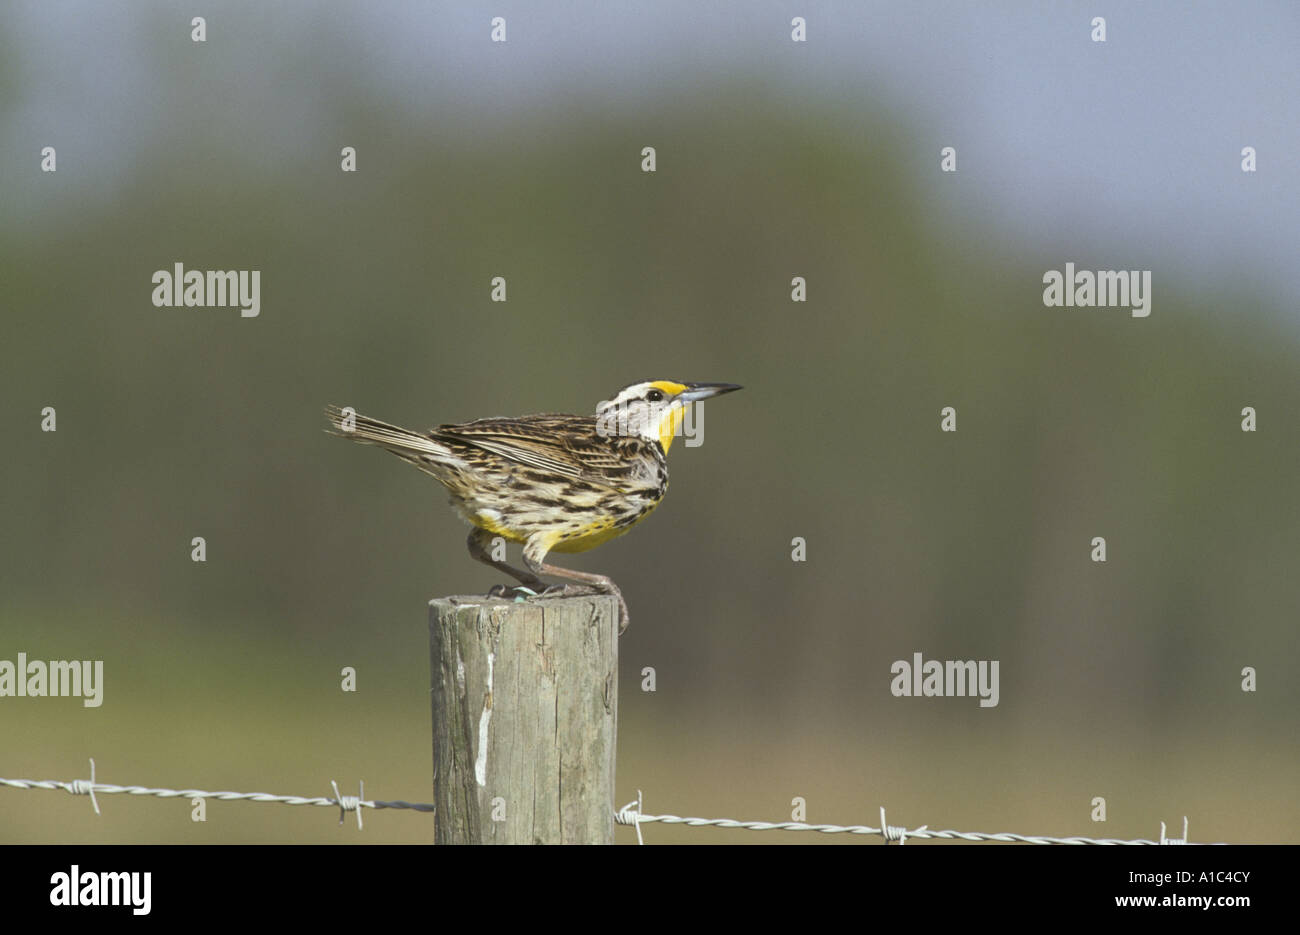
x,y
630,814
893,832
350,803
83,787
1165,840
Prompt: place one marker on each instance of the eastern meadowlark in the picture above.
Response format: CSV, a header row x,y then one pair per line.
x,y
553,482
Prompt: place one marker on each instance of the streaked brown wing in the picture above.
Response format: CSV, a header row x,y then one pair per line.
x,y
564,444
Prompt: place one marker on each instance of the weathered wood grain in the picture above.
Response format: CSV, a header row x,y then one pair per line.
x,y
525,712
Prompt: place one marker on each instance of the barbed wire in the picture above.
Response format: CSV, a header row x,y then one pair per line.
x,y
344,803
630,814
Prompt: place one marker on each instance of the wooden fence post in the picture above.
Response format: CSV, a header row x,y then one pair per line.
x,y
525,713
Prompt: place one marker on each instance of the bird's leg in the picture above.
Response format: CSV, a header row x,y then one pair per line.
x,y
600,582
572,590
479,542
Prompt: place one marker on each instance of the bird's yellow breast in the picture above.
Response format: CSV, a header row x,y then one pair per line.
x,y
491,521
562,537
590,536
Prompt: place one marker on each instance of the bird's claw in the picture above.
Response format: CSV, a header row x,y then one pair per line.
x,y
571,590
519,592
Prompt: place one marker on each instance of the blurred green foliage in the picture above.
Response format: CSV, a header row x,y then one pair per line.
x,y
1119,679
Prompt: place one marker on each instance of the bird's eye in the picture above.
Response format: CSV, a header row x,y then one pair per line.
x,y
655,396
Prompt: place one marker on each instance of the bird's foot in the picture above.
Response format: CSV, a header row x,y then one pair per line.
x,y
516,592
522,592
586,590
571,590
623,619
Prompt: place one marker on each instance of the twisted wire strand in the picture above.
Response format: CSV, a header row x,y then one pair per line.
x,y
630,814
84,787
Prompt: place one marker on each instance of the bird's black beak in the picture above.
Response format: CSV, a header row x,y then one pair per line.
x,y
695,391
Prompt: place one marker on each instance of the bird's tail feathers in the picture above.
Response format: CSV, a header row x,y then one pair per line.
x,y
413,446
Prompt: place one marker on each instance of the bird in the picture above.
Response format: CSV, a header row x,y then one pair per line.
x,y
551,482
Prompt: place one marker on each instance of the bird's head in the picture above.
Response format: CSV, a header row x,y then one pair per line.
x,y
653,410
